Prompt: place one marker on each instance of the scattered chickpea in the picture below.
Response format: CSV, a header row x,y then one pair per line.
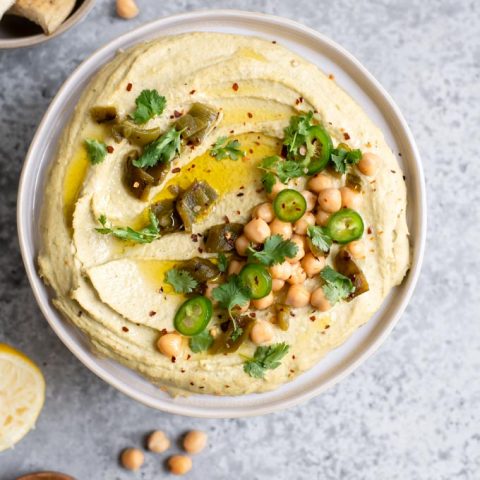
x,y
263,303
234,267
195,441
350,198
179,464
300,242
127,9
277,284
321,218
276,189
310,198
312,265
241,245
277,227
357,249
369,163
298,296
264,211
209,289
170,344
281,271
319,301
132,458
257,230
319,182
300,226
158,442
330,200
298,275
262,332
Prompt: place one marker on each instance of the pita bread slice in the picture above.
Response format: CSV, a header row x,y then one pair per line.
x,y
49,14
4,6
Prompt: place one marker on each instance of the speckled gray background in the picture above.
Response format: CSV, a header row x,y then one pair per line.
x,y
412,411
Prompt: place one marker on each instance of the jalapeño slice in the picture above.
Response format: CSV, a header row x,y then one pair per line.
x,y
345,226
289,205
193,316
257,279
319,140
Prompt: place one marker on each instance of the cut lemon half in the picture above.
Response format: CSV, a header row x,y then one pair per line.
x,y
22,393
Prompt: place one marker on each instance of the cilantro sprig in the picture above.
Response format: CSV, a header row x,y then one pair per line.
x,y
96,151
342,158
226,149
149,104
162,150
276,167
201,342
146,235
297,137
320,238
337,287
181,280
265,358
222,262
275,250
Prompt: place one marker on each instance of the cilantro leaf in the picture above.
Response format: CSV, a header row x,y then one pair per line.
x,y
265,358
231,294
201,342
275,250
162,150
146,235
342,158
283,169
297,132
237,332
336,287
181,280
149,104
320,238
226,149
96,151
222,262
268,181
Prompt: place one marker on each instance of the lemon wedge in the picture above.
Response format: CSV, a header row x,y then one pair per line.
x,y
22,394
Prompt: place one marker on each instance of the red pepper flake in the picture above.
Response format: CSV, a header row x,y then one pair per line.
x,y
299,100
241,194
369,230
259,190
182,370
110,149
175,170
194,237
253,314
346,136
227,220
152,313
313,318
293,357
250,150
399,154
238,212
274,42
232,131
201,387
129,87
393,171
189,357
177,114
163,331
331,76
235,87
242,187
192,92
192,384
250,115
125,329
200,250
174,359
171,117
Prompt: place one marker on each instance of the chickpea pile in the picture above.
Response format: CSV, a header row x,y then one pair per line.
x,y
158,442
322,199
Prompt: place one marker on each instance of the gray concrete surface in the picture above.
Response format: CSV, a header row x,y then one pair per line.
x,y
410,412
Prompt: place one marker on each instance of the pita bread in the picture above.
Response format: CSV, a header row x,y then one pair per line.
x,y
49,14
4,6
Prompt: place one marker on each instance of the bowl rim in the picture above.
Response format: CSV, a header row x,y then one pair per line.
x,y
79,14
235,412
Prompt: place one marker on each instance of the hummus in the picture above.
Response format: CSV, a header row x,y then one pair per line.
x,y
115,291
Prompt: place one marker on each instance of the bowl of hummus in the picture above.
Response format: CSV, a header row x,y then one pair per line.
x,y
216,217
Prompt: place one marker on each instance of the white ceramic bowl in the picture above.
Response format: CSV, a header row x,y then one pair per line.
x,y
357,82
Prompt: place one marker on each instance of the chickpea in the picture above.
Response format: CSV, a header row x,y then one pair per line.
x,y
132,458
195,441
297,296
126,9
276,189
263,303
321,218
300,226
312,265
319,182
310,198
350,198
369,163
281,271
179,464
277,284
170,344
300,243
261,332
330,200
241,245
264,211
209,289
277,227
319,301
357,249
158,442
234,267
257,230
298,275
